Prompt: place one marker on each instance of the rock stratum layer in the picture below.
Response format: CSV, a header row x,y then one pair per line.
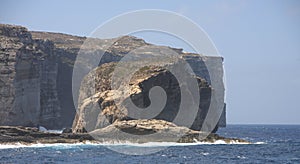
x,y
36,82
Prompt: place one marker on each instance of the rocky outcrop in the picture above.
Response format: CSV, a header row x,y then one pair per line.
x,y
141,131
100,110
30,135
36,76
153,130
97,106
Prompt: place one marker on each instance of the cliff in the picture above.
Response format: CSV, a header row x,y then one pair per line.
x,y
36,80
28,77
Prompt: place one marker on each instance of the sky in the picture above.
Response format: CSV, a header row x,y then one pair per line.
x,y
259,40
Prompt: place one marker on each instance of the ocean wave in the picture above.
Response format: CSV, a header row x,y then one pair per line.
x,y
37,145
148,144
259,143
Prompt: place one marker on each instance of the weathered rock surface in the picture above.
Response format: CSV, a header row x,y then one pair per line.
x,y
153,130
135,131
28,73
100,110
19,134
36,77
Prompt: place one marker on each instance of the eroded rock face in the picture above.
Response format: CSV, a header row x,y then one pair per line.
x,y
98,108
28,73
36,77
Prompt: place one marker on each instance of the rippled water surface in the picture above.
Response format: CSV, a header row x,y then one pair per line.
x,y
272,143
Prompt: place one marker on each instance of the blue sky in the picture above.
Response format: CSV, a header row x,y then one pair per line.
x,y
260,41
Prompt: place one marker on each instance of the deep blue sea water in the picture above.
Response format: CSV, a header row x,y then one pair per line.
x,y
272,144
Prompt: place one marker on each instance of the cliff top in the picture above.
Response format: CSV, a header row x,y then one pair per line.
x,y
117,46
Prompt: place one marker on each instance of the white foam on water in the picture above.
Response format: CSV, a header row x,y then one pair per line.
x,y
37,145
241,157
204,153
157,144
43,129
54,131
222,142
148,144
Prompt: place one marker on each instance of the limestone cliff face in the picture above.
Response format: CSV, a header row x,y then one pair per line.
x,y
36,79
28,79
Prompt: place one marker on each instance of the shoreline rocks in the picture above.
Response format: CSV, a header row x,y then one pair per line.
x,y
133,131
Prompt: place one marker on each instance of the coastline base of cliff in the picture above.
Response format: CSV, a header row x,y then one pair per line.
x,y
115,133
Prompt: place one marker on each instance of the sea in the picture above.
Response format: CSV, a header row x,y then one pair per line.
x,y
269,144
